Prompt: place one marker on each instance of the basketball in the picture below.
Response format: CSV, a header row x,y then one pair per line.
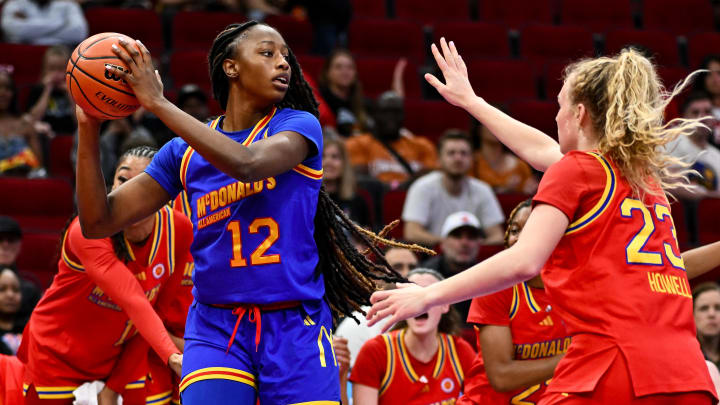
x,y
98,92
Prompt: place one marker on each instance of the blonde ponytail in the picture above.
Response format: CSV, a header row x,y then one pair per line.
x,y
626,102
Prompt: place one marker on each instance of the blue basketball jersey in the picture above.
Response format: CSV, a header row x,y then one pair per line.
x,y
253,242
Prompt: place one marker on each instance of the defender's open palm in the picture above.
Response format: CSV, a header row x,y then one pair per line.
x,y
407,301
456,89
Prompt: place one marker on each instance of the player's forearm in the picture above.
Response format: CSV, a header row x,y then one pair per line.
x,y
700,260
521,373
93,206
229,156
530,144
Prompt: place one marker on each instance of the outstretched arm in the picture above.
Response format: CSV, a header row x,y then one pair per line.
x,y
531,145
523,261
700,260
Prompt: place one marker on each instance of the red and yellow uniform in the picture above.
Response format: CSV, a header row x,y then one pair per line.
x,y
537,332
618,281
97,303
385,363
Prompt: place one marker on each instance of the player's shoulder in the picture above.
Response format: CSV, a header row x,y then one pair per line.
x,y
285,114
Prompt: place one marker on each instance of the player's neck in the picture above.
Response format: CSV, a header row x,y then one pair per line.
x,y
242,115
140,231
422,347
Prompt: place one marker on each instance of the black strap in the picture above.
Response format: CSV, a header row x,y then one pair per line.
x,y
399,158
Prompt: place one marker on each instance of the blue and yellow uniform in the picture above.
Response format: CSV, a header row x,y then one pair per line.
x,y
255,270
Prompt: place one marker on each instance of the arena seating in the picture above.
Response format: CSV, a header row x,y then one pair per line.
x,y
134,22
429,12
681,18
39,205
475,40
597,15
195,30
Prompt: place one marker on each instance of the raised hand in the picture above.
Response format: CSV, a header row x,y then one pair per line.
x,y
142,76
175,363
407,301
456,89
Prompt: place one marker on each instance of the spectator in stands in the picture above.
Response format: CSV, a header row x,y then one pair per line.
x,y
330,20
706,308
460,244
11,325
339,181
433,197
10,246
710,83
392,155
342,91
696,148
20,143
350,336
49,100
497,166
44,22
193,100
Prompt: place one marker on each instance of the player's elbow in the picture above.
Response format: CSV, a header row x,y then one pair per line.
x,y
499,379
92,229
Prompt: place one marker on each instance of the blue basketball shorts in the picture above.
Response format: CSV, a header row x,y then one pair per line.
x,y
287,359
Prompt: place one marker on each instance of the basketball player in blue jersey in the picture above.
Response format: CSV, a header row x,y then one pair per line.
x,y
273,263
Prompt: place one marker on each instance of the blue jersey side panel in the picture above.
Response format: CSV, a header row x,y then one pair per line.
x,y
253,242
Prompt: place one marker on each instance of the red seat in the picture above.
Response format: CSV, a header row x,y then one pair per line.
x,y
542,42
369,9
487,251
509,201
136,23
387,38
702,45
429,12
709,220
37,204
432,118
60,150
375,74
672,76
552,74
474,39
39,255
190,67
297,34
662,45
311,65
392,209
26,61
198,29
517,13
678,17
502,81
595,15
537,114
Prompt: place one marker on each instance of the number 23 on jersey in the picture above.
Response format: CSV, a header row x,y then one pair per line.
x,y
658,215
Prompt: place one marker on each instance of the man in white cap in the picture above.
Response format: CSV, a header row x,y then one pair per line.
x,y
460,243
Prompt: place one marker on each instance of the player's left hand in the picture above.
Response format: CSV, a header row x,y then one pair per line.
x,y
107,397
143,78
407,301
175,363
342,353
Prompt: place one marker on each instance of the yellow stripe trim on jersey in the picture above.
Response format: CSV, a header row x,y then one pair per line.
x,y
184,163
440,362
185,204
405,358
73,265
157,235
321,348
159,399
55,392
455,360
603,203
170,239
129,248
215,122
308,172
317,403
136,384
515,303
389,364
309,321
218,373
259,127
532,304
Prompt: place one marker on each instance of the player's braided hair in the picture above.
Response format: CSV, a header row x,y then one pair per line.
x,y
299,95
349,275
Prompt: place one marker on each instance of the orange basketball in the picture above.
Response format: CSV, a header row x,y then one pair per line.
x,y
99,92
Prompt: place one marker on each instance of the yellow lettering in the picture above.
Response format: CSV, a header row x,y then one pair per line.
x,y
258,186
686,288
271,183
543,349
213,200
534,351
651,281
660,282
97,291
552,350
526,351
240,191
222,197
207,199
201,207
249,190
231,198
566,346
669,284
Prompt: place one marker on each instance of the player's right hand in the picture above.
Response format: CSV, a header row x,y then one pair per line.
x,y
457,89
86,120
407,301
175,363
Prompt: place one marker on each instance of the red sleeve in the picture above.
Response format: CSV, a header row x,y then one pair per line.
x,y
131,366
465,352
116,280
566,183
493,309
369,367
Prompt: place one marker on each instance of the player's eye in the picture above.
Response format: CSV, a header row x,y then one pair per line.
x,y
266,53
122,179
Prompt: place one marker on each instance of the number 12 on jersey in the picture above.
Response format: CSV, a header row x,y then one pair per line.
x,y
258,256
634,252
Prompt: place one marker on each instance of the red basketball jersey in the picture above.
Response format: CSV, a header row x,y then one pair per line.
x,y
385,363
537,332
618,281
77,331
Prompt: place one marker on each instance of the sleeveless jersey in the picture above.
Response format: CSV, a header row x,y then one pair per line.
x,y
253,242
77,331
618,281
404,380
537,332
